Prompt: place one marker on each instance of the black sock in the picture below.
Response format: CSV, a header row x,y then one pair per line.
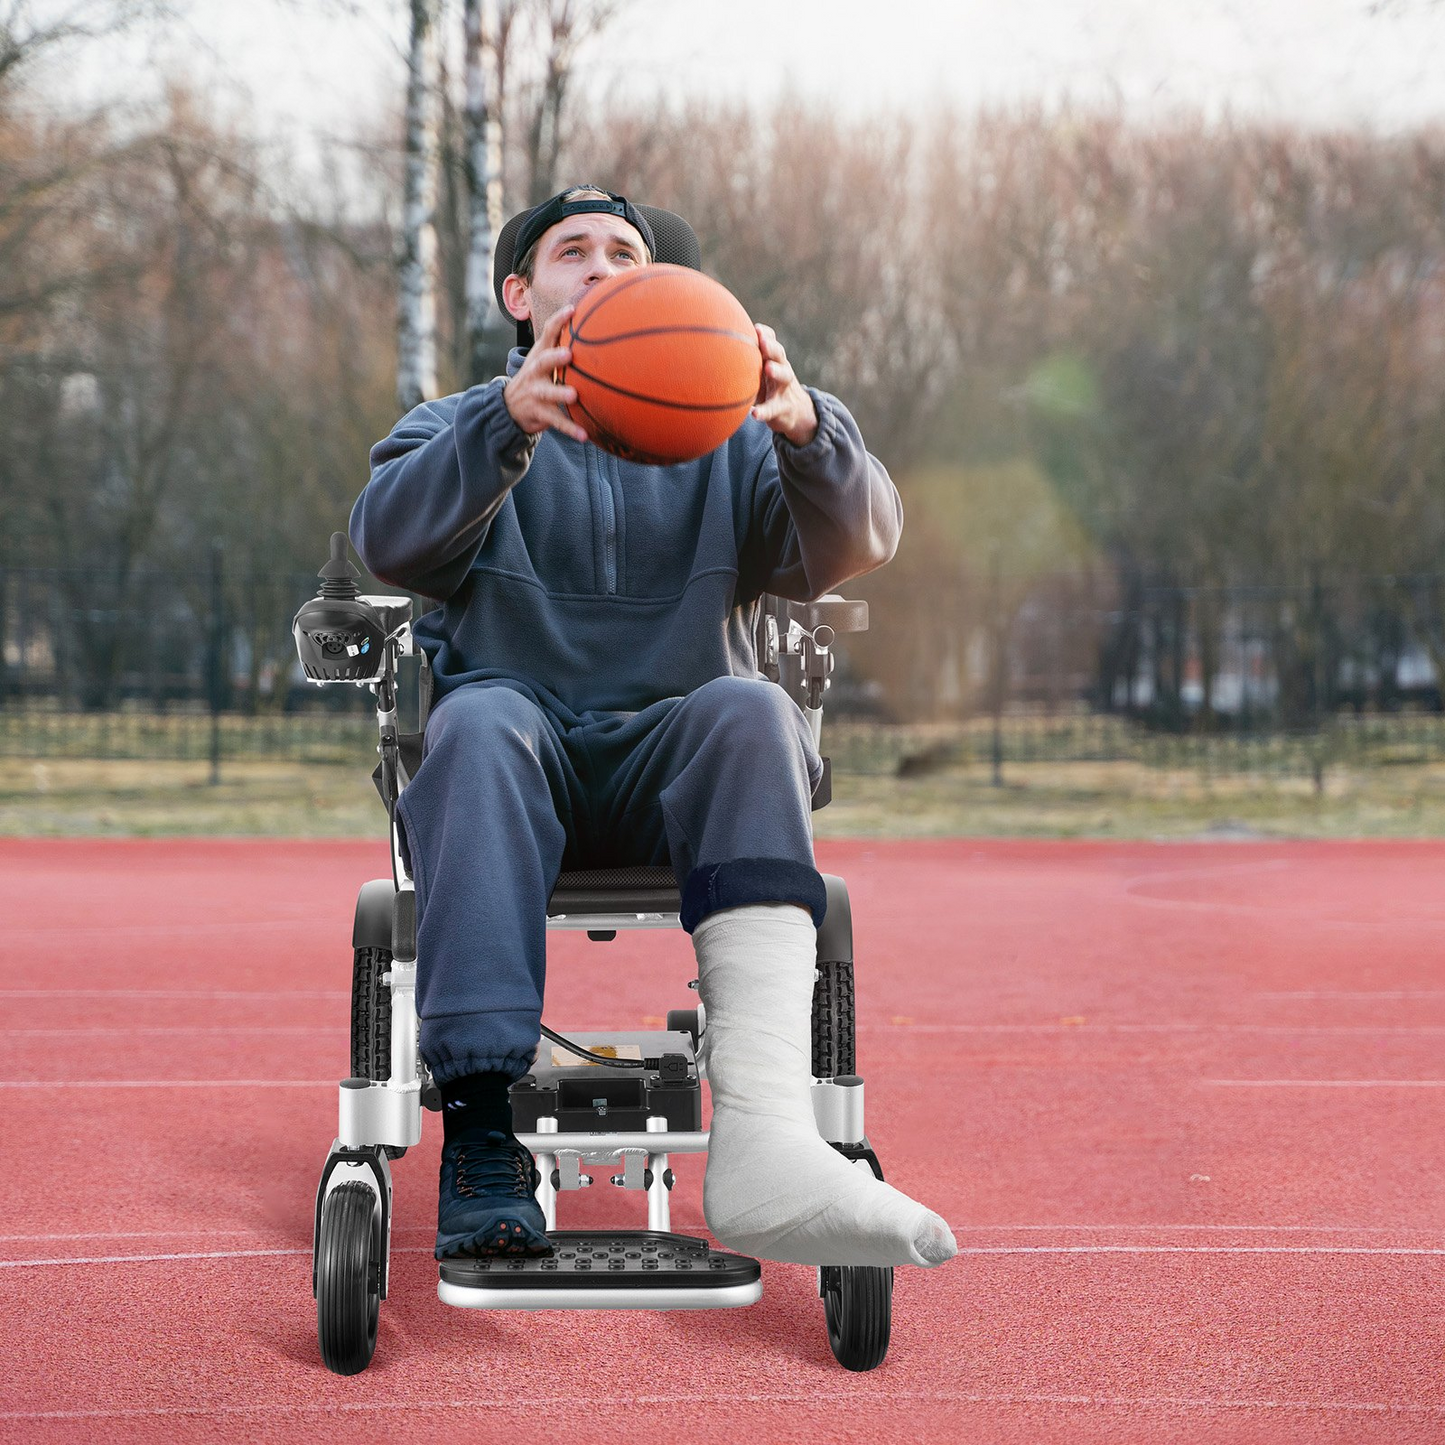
x,y
474,1104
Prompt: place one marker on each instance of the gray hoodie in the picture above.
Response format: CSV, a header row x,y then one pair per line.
x,y
605,585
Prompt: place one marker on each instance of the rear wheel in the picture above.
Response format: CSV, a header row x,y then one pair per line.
x,y
371,1016
371,1022
348,1277
834,1050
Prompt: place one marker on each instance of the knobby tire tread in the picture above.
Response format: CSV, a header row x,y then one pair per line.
x,y
834,1038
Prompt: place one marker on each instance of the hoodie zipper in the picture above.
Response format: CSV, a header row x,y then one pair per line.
x,y
609,524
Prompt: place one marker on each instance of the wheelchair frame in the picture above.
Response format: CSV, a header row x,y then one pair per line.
x,y
379,1119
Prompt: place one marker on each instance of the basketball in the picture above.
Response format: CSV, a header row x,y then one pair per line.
x,y
665,362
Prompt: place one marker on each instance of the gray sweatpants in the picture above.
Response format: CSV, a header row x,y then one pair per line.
x,y
718,784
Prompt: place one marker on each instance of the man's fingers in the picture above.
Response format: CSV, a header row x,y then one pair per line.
x,y
567,427
768,344
550,359
777,377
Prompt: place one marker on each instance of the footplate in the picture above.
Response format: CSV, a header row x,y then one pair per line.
x,y
621,1269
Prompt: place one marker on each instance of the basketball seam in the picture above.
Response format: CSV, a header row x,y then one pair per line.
x,y
577,322
657,401
626,285
618,446
673,331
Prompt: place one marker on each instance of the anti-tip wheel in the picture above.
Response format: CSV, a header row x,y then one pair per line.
x,y
348,1277
858,1305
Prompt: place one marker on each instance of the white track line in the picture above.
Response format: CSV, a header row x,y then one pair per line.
x,y
1190,1249
166,1258
1326,1083
160,930
132,1033
1132,1229
1090,1028
167,1083
170,993
915,1397
970,1249
959,1230
232,1233
1084,1028
149,1258
1340,993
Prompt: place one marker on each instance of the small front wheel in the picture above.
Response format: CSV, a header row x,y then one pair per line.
x,y
858,1305
348,1277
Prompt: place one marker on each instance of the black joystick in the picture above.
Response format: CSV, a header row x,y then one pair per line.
x,y
339,637
338,576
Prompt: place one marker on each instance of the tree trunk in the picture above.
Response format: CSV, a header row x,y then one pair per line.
x,y
483,131
1209,621
416,378
566,28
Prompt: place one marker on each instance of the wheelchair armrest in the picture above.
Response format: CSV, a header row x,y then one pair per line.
x,y
831,610
392,610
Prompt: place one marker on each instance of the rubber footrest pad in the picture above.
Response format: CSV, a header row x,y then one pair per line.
x,y
609,1259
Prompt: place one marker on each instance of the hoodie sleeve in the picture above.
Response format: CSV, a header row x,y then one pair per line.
x,y
821,513
436,483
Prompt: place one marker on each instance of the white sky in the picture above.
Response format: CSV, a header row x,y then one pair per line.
x,y
1376,64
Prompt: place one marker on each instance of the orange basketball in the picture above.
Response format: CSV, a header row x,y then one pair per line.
x,y
665,362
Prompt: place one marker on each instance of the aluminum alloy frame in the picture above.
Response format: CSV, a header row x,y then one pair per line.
x,y
639,1298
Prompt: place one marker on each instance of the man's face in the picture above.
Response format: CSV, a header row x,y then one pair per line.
x,y
572,257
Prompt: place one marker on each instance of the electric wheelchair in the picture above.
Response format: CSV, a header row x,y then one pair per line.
x,y
621,1100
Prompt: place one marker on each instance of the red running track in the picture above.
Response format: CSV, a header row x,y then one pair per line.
x,y
1183,1104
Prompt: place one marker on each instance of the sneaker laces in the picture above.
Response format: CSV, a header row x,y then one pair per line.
x,y
494,1169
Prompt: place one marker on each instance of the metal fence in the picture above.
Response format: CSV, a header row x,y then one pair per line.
x,y
197,664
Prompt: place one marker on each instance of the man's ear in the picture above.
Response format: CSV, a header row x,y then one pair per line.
x,y
517,294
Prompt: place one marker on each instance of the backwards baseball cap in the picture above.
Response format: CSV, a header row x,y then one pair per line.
x,y
541,219
667,236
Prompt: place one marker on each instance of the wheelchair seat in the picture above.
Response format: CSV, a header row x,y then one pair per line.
x,y
615,890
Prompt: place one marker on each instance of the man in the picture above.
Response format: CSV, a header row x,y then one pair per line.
x,y
598,703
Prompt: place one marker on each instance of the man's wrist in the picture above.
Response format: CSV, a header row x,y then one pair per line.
x,y
805,430
805,437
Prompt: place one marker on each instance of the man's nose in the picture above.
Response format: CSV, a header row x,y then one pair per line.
x,y
600,269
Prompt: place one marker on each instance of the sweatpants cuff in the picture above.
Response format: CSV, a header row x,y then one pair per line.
x,y
443,1071
751,880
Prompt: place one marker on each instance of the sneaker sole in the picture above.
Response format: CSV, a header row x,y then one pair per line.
x,y
506,1238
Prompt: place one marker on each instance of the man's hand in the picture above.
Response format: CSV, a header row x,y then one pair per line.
x,y
782,402
533,398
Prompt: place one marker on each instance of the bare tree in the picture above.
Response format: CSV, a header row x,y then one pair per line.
x,y
28,37
564,26
416,374
485,44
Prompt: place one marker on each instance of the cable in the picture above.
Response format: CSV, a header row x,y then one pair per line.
x,y
600,1058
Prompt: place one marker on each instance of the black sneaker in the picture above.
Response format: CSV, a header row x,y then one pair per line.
x,y
487,1203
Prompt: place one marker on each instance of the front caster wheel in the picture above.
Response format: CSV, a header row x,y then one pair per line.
x,y
348,1278
858,1305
